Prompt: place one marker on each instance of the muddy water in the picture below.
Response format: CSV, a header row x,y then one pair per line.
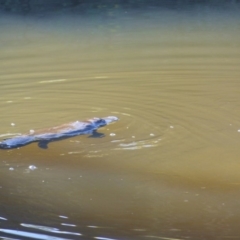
x,y
169,169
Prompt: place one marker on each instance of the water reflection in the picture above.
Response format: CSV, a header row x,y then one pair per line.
x,y
167,170
30,235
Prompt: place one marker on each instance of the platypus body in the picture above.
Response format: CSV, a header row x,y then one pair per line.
x,y
44,136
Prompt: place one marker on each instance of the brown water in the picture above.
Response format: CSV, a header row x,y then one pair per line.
x,y
169,169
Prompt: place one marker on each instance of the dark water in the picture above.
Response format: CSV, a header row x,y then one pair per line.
x,y
169,169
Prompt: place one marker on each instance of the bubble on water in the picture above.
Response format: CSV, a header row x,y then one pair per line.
x,y
31,131
12,124
11,168
238,130
32,167
171,126
112,134
133,136
152,134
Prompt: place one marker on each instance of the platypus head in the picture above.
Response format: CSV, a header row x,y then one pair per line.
x,y
101,122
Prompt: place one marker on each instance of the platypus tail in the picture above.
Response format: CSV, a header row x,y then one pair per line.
x,y
3,145
16,142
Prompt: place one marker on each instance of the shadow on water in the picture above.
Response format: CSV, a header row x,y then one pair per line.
x,y
167,170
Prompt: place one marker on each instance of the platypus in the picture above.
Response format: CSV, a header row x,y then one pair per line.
x,y
67,130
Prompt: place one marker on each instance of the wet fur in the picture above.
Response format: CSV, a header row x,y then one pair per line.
x,y
64,131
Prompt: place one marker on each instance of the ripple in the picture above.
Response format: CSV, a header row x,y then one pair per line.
x,y
53,81
31,235
104,238
138,145
49,229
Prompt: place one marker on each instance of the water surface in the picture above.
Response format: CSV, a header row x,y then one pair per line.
x,y
169,169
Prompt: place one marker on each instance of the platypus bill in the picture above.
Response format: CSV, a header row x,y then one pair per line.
x,y
44,136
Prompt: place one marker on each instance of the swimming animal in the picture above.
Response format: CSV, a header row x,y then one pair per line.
x,y
44,136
